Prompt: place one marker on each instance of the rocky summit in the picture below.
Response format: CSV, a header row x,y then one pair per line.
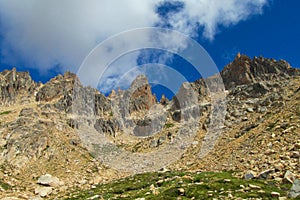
x,y
63,140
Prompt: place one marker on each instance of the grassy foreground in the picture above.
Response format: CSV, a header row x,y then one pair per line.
x,y
184,185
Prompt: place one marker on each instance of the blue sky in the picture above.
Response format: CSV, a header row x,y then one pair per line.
x,y
267,28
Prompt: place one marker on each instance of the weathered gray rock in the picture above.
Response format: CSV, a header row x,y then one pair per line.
x,y
153,143
35,198
275,194
295,190
289,177
43,191
249,175
49,180
265,174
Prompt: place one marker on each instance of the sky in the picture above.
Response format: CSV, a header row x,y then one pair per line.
x,y
53,36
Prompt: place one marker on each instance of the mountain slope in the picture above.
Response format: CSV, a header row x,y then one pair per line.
x,y
40,132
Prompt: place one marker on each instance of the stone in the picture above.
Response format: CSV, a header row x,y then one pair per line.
x,y
245,119
295,190
279,167
295,154
97,196
35,198
296,146
161,140
163,170
288,130
282,198
97,180
153,143
249,109
275,194
265,174
48,180
43,191
262,109
269,152
181,191
249,175
254,186
159,182
289,177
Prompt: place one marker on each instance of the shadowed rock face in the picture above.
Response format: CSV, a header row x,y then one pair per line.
x,y
244,70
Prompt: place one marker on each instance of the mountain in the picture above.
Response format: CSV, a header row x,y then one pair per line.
x,y
83,138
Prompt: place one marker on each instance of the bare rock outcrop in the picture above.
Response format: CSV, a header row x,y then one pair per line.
x,y
57,87
14,85
141,95
244,70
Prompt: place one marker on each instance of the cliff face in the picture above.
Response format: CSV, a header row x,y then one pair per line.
x,y
39,130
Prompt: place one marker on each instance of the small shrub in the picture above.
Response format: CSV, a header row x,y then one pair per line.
x,y
5,112
169,125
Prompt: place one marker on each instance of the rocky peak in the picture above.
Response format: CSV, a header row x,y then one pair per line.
x,y
15,84
141,96
57,86
164,100
244,70
112,94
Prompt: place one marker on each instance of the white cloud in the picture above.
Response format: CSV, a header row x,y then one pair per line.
x,y
210,14
42,34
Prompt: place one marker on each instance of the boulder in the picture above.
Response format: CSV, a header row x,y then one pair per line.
x,y
295,190
265,174
48,180
43,191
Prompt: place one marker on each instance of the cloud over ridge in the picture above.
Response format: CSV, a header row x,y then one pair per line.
x,y
44,34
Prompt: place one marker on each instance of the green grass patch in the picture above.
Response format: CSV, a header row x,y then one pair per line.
x,y
169,125
5,112
4,185
203,185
